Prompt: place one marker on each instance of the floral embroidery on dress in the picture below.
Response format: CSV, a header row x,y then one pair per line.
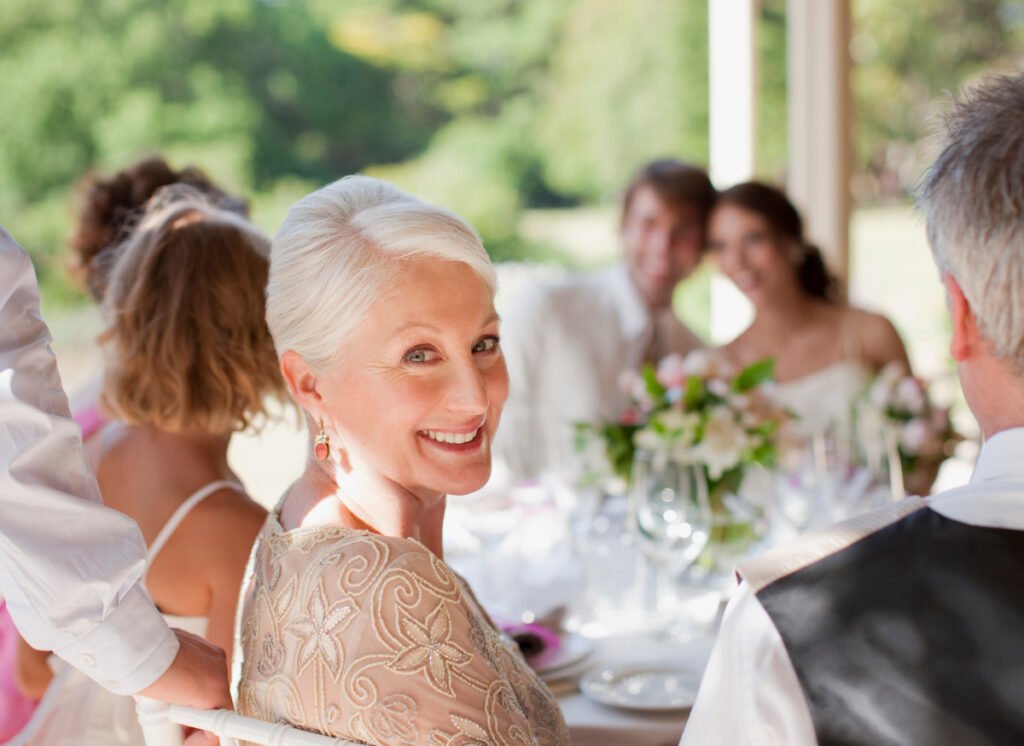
x,y
431,649
319,632
375,639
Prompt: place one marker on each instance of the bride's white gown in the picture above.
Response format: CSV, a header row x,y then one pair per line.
x,y
824,399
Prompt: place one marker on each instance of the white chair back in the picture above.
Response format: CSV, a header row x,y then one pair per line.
x,y
161,725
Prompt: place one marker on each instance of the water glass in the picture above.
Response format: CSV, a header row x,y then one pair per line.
x,y
670,517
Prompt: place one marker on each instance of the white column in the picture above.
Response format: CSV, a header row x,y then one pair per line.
x,y
733,87
818,75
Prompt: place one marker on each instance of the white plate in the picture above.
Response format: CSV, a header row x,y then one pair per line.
x,y
650,688
573,649
571,671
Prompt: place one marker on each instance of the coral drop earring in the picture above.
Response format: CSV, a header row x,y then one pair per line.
x,y
322,443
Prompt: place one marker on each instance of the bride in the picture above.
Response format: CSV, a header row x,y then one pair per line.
x,y
825,350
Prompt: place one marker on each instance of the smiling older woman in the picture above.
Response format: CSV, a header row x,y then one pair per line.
x,y
381,308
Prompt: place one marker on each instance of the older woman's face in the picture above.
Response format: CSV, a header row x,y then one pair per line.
x,y
419,392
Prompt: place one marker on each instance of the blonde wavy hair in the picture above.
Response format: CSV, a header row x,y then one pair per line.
x,y
187,344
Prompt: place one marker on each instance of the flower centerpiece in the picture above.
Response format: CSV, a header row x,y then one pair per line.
x,y
703,412
924,433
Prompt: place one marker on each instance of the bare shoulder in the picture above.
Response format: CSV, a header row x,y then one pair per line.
x,y
227,515
877,339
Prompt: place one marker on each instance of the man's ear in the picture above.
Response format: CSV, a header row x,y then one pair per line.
x,y
302,382
965,327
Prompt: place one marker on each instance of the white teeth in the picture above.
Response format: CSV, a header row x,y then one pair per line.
x,y
454,438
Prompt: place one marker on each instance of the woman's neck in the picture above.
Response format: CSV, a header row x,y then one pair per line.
x,y
777,320
375,505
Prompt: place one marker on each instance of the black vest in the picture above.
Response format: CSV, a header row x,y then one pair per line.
x,y
912,635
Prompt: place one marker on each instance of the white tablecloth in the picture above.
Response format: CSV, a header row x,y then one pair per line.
x,y
524,559
594,724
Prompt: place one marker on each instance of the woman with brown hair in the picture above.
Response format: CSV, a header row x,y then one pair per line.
x,y
189,362
109,207
824,348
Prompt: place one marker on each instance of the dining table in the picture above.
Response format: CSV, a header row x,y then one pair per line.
x,y
527,556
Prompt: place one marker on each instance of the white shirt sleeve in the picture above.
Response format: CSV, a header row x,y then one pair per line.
x,y
69,568
750,694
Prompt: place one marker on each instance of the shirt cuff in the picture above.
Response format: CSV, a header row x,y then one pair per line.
x,y
131,649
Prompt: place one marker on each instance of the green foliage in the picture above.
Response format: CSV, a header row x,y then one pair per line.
x,y
487,106
772,118
252,92
905,56
628,83
754,375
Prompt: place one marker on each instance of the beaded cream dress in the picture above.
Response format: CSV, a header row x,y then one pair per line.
x,y
374,639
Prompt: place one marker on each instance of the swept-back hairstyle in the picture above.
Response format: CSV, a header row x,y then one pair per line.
x,y
782,216
340,247
972,198
187,342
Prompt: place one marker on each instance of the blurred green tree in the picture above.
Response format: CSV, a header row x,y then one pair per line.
x,y
906,55
252,92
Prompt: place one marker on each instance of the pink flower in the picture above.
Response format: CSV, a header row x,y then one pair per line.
x,y
718,387
672,371
914,436
632,416
911,396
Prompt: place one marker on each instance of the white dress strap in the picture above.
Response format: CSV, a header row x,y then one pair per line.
x,y
183,510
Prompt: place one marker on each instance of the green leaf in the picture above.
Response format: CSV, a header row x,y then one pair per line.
x,y
754,375
654,388
694,394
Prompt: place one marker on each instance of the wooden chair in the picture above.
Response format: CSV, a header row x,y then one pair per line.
x,y
161,724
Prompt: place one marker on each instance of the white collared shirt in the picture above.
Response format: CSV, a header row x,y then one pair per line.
x,y
566,345
69,568
750,693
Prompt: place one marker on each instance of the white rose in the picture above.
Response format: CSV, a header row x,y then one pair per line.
x,y
723,444
699,363
879,394
676,420
647,438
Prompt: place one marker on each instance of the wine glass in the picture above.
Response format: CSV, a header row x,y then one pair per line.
x,y
671,518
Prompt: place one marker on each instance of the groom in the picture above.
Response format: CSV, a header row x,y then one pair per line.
x,y
905,626
567,344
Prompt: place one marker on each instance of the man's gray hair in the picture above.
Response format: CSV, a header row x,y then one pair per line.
x,y
341,247
972,198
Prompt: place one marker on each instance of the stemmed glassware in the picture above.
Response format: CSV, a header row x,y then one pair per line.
x,y
670,517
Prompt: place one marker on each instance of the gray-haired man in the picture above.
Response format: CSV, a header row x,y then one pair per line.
x,y
905,626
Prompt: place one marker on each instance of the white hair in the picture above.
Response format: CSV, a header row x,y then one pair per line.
x,y
973,201
340,247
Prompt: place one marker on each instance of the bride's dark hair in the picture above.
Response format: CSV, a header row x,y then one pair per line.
x,y
774,206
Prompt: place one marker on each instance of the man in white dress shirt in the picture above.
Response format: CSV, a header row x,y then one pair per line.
x,y
69,568
905,626
567,344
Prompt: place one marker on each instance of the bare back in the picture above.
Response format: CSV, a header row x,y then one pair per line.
x,y
148,474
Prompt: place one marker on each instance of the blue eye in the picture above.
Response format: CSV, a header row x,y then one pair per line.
x,y
487,344
420,355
